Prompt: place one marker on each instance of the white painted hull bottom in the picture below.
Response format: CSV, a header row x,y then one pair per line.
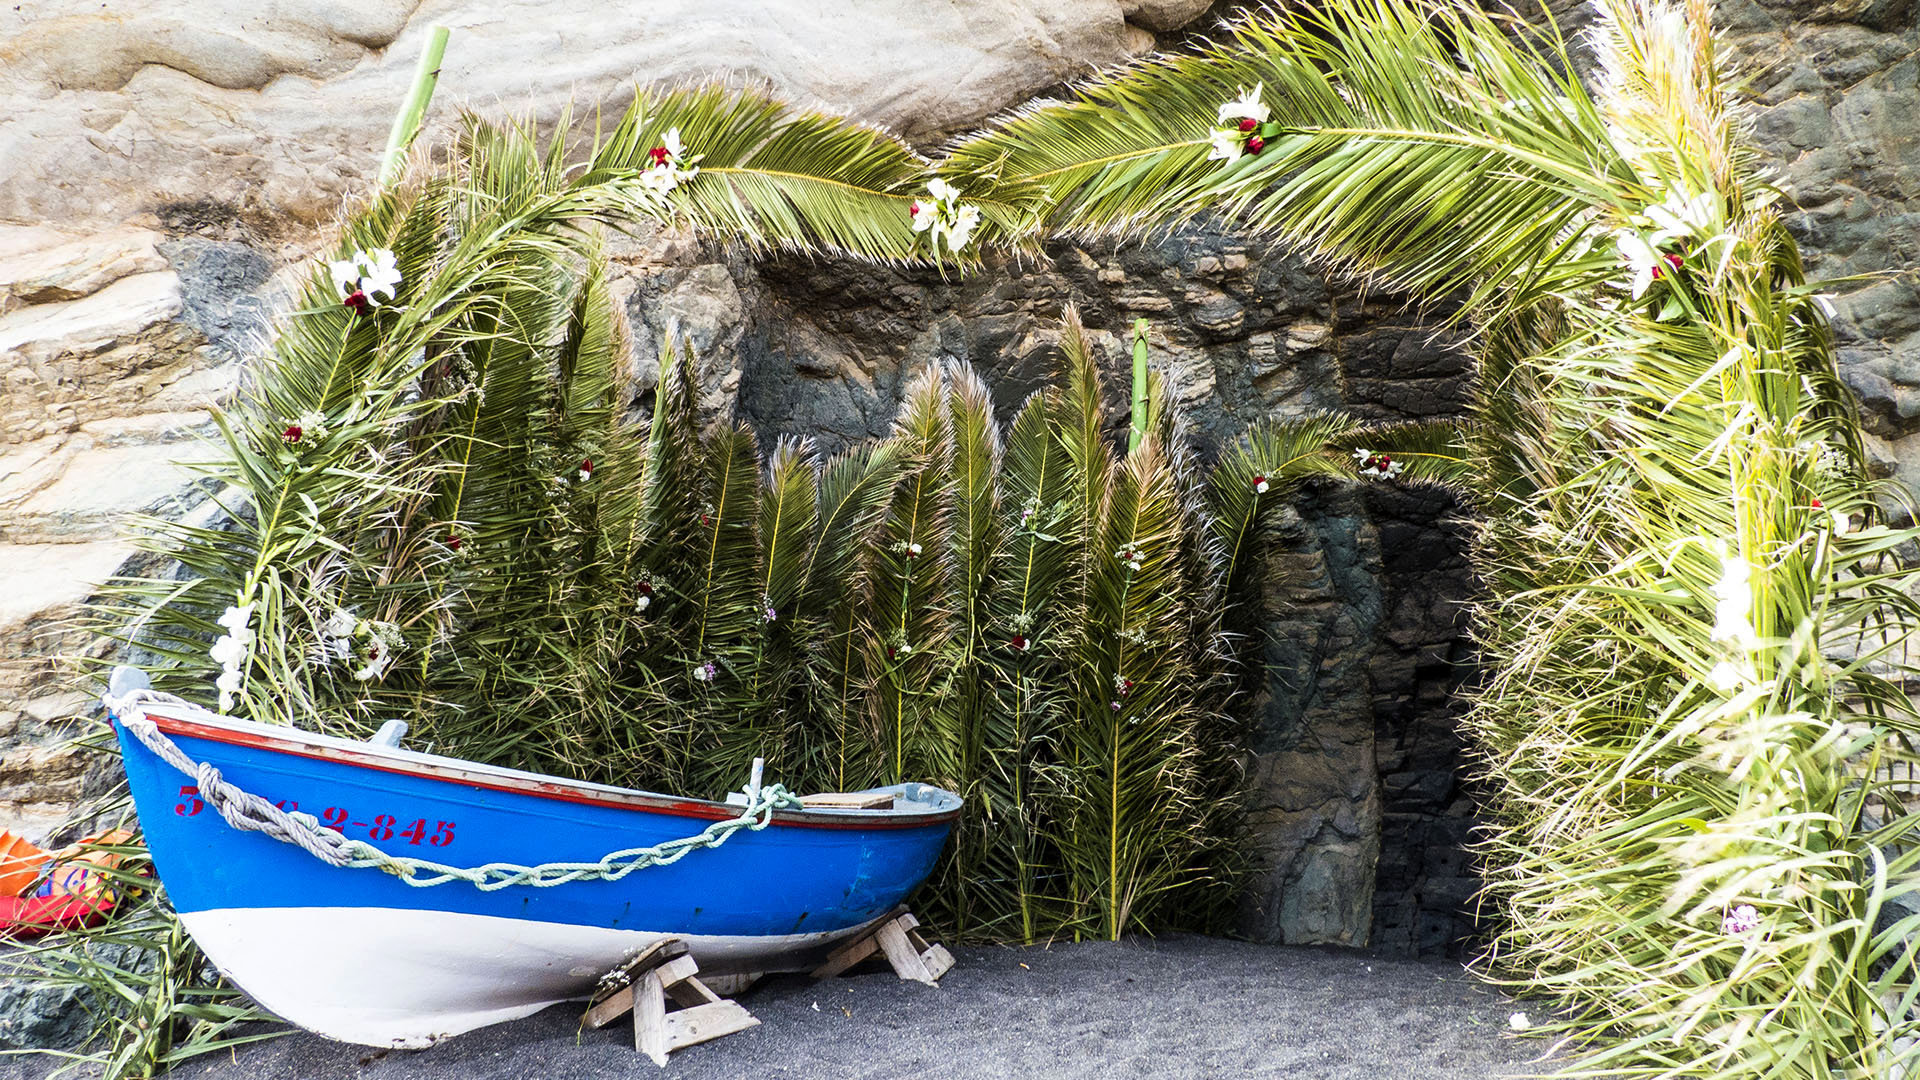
x,y
408,978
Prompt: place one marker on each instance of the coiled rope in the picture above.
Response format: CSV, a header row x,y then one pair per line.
x,y
248,812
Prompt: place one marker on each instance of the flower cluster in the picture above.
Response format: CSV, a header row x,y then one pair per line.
x,y
1260,485
706,672
1240,133
1381,466
230,651
767,611
310,428
899,650
645,599
1132,556
381,647
944,215
586,469
1661,236
362,278
668,166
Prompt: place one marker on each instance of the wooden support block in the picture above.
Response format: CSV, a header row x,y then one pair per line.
x,y
704,1022
650,1018
846,956
898,937
901,954
643,986
732,985
849,800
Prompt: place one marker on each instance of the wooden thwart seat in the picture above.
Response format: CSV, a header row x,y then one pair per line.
x,y
643,986
898,938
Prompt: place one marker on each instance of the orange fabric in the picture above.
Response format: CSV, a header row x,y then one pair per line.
x,y
75,872
20,864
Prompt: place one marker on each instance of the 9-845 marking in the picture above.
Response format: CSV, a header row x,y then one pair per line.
x,y
338,818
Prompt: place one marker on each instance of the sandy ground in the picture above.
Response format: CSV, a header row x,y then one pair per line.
x,y
1179,1007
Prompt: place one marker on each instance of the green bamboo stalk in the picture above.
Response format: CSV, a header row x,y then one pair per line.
x,y
406,125
1139,426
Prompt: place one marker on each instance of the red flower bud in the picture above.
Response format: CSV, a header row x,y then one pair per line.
x,y
453,541
1018,642
646,588
892,652
292,434
357,300
914,210
660,155
1256,144
1817,506
1248,123
586,465
1675,261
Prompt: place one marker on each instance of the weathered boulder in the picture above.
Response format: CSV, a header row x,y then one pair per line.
x,y
281,111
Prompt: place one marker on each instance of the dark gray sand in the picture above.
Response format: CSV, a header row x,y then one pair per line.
x,y
1177,1007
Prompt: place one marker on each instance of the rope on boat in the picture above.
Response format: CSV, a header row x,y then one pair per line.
x,y
248,812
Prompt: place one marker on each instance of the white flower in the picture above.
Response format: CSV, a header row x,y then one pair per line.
x,y
1362,456
1227,143
366,273
1246,107
965,220
670,165
945,216
1642,260
913,551
235,619
1726,676
706,672
228,684
340,624
228,651
1680,215
1733,601
1260,485
382,648
643,603
379,272
1519,1022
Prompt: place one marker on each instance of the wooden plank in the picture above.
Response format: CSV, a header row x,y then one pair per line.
x,y
650,1019
657,952
849,800
709,1021
846,956
732,985
901,954
607,1011
938,960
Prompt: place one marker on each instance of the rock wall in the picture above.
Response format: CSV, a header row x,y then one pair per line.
x,y
164,166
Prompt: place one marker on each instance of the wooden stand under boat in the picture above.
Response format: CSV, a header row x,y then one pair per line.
x,y
643,986
898,938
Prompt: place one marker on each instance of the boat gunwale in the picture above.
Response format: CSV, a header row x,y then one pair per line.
x,y
295,742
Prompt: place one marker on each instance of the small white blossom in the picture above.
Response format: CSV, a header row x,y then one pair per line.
x,y
945,216
1227,145
1519,1021
365,274
230,651
669,166
706,672
313,425
340,624
643,603
1260,485
1681,216
913,551
1733,604
1247,106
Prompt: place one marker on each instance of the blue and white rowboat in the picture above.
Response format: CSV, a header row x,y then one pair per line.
x,y
359,955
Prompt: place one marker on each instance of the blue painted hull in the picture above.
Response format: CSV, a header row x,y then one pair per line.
x,y
764,900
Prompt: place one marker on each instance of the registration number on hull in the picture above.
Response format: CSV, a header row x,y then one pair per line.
x,y
340,819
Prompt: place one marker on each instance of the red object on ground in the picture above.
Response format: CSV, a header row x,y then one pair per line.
x,y
32,916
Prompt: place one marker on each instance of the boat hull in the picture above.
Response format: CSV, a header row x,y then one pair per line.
x,y
361,956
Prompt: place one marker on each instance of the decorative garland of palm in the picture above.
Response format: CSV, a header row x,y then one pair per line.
x,y
1693,639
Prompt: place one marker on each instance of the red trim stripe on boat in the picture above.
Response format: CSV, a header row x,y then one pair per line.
x,y
544,787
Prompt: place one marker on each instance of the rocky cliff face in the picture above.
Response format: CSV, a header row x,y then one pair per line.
x,y
163,166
